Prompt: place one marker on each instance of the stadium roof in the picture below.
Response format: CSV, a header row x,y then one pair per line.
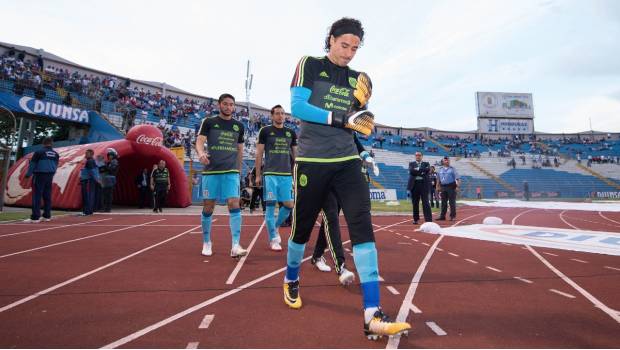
x,y
48,56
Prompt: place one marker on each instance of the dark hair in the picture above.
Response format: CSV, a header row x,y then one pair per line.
x,y
47,141
223,96
273,109
345,25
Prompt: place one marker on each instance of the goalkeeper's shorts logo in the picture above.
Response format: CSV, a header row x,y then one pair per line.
x,y
303,180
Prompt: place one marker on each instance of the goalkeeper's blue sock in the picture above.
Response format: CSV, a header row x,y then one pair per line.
x,y
283,213
365,257
205,221
293,260
235,225
270,219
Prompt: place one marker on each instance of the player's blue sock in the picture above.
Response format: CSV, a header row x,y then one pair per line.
x,y
365,257
270,219
205,220
293,260
282,215
235,225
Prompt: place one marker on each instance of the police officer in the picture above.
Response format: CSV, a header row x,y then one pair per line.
x,y
418,185
109,179
43,165
449,181
89,176
160,185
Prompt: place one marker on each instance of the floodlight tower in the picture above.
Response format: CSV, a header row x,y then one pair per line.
x,y
248,87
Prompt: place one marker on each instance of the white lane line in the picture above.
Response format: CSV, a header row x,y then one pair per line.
x,y
78,239
523,279
407,243
206,321
551,254
237,268
415,240
562,293
612,268
392,290
580,261
426,244
86,274
51,228
436,329
521,213
493,269
406,236
415,309
208,302
566,222
597,303
506,243
606,218
453,254
398,233
471,261
192,345
439,249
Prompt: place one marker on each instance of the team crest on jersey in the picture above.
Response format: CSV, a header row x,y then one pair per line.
x,y
288,134
236,127
216,126
324,74
272,133
303,180
353,82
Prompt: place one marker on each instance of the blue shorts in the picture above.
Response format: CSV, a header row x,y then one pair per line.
x,y
278,188
220,187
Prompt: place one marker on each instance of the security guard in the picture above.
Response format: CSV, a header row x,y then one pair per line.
x,y
418,186
160,185
43,165
449,181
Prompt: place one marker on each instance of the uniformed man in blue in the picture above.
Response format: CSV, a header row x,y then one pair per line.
x,y
279,145
449,181
331,99
222,159
43,165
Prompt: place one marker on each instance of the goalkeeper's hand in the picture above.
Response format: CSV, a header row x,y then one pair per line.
x,y
363,91
370,161
360,121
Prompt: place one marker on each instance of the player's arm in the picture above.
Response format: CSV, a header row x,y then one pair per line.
x,y
169,181
201,141
33,164
240,143
260,149
293,146
457,178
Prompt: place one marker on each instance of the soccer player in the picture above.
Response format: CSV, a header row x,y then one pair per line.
x,y
279,144
330,99
220,178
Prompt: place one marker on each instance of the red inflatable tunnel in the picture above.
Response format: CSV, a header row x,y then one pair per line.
x,y
142,147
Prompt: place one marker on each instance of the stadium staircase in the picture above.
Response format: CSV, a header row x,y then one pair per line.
x,y
493,177
439,144
606,180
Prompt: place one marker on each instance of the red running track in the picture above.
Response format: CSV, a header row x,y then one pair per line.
x,y
134,282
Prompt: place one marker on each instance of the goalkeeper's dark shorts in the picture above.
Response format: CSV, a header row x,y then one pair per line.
x,y
313,183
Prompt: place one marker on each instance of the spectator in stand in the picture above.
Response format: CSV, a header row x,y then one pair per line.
x,y
43,165
143,182
89,175
478,192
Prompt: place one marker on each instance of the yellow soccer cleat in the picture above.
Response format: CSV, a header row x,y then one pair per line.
x,y
381,325
291,294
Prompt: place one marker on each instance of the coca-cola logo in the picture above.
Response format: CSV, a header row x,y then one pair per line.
x,y
147,140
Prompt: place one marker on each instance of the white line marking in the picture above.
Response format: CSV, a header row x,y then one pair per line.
x,y
580,261
523,247
550,254
392,290
52,228
415,309
612,268
566,222
234,273
415,240
471,261
521,213
77,239
523,279
192,345
609,311
206,321
453,254
606,218
406,236
493,269
426,244
562,293
86,274
436,329
407,243
206,303
506,243
398,233
439,249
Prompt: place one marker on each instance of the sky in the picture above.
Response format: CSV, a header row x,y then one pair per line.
x,y
426,59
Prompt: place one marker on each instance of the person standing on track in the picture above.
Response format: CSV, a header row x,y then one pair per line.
x,y
279,144
433,191
89,175
449,181
43,165
108,179
223,159
418,185
160,185
331,100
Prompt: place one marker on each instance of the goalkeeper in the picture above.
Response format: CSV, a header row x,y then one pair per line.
x,y
331,99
